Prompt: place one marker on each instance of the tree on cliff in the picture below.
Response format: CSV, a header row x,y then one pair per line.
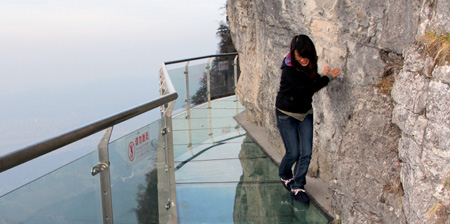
x,y
226,44
221,78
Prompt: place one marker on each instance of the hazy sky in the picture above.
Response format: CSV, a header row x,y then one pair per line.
x,y
78,58
64,64
47,43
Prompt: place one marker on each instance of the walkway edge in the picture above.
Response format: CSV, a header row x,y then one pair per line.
x,y
316,187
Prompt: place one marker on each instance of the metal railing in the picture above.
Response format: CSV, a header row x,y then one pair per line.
x,y
26,154
166,114
166,102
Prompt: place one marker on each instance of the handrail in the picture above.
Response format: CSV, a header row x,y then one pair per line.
x,y
202,57
28,153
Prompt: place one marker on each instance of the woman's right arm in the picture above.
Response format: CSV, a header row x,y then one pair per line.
x,y
335,72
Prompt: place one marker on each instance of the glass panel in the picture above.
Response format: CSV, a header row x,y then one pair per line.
x,y
179,83
245,182
134,176
222,77
197,84
242,202
207,126
69,194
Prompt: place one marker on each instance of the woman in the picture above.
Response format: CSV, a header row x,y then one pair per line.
x,y
299,82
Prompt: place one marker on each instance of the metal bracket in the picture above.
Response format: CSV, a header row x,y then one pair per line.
x,y
99,168
169,204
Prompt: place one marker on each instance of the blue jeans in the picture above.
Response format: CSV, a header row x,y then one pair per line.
x,y
298,138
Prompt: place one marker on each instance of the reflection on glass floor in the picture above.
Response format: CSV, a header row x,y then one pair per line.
x,y
222,176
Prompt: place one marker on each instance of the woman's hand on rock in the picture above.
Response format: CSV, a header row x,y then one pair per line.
x,y
335,72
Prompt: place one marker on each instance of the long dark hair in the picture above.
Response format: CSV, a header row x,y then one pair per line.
x,y
305,47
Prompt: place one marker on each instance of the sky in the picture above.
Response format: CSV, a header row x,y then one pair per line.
x,y
47,43
64,64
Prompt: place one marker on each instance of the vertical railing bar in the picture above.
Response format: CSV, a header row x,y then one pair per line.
x,y
235,76
188,108
167,142
208,91
188,102
105,177
164,134
166,149
235,64
208,82
170,159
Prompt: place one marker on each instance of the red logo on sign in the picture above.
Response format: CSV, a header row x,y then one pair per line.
x,y
131,149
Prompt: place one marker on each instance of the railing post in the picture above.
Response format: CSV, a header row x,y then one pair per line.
x,y
188,107
167,209
208,93
208,82
188,102
168,148
105,179
235,64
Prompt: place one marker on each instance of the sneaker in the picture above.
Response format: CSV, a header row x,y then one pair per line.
x,y
299,195
287,183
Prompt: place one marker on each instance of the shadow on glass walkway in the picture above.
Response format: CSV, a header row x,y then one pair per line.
x,y
225,177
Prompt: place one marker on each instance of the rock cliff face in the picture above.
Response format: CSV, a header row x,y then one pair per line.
x,y
386,157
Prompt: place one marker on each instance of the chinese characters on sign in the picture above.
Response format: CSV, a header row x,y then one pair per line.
x,y
223,65
138,146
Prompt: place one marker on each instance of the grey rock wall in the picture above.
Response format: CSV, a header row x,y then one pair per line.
x,y
367,40
422,95
366,186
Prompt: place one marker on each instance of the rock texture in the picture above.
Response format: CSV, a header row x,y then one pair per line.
x,y
386,160
366,172
422,112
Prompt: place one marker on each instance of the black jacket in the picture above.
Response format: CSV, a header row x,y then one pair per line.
x,y
297,89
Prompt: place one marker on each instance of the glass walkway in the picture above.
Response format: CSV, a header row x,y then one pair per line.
x,y
196,166
226,177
